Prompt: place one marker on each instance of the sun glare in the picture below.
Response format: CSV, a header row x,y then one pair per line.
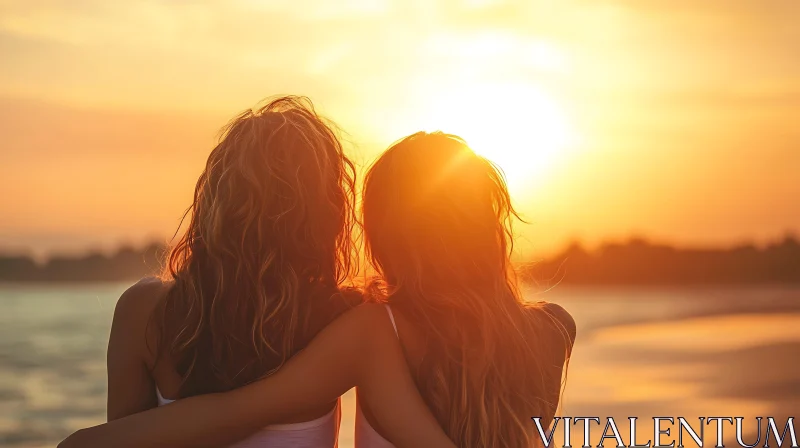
x,y
518,127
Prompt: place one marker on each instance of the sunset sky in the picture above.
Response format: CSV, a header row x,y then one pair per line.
x,y
678,120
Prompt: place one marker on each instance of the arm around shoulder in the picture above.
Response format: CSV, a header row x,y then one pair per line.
x,y
358,349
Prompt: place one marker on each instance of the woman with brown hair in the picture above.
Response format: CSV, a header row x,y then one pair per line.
x,y
438,227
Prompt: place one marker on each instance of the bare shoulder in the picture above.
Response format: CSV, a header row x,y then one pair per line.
x,y
351,297
367,317
141,298
133,311
363,325
130,337
556,318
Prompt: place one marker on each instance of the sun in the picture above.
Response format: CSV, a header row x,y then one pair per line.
x,y
520,128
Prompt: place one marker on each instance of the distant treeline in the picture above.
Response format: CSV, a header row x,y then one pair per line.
x,y
639,262
636,262
126,264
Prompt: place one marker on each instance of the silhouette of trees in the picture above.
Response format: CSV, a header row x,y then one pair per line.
x,y
639,262
636,262
126,264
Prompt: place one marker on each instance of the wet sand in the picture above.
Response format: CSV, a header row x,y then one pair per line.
x,y
728,355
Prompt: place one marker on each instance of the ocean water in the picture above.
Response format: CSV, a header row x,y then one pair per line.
x,y
640,352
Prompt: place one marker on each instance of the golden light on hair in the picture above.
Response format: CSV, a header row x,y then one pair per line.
x,y
521,128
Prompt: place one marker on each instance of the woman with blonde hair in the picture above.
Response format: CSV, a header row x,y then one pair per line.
x,y
437,223
256,275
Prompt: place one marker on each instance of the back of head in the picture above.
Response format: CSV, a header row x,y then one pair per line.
x,y
430,194
267,243
437,222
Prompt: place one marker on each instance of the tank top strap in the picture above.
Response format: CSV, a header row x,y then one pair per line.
x,y
391,317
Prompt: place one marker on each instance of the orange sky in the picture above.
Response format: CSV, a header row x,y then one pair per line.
x,y
679,120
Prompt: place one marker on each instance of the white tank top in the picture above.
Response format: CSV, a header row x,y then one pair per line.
x,y
322,432
365,434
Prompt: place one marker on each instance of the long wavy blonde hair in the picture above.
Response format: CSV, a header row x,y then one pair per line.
x,y
438,227
269,240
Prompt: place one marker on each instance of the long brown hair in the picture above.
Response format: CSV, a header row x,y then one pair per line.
x,y
438,227
268,241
